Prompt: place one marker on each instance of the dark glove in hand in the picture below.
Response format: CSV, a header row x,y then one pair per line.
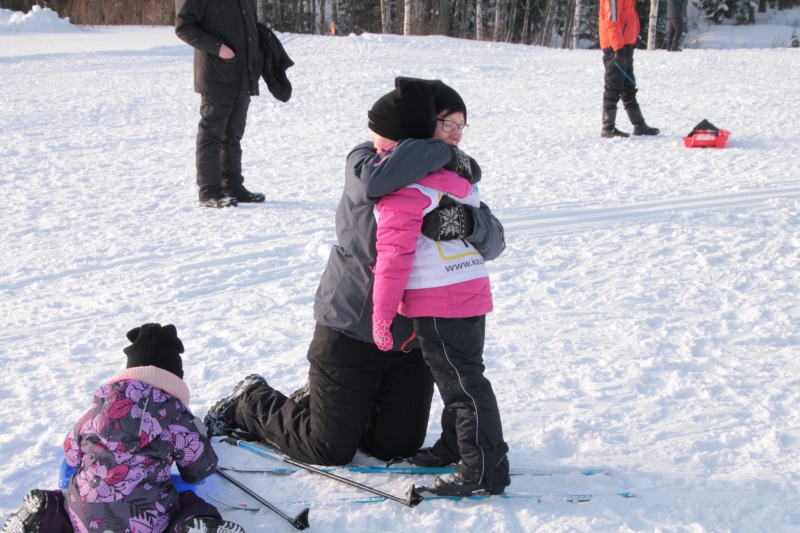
x,y
463,165
448,222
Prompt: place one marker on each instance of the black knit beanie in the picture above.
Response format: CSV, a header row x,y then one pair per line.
x,y
408,112
154,345
445,98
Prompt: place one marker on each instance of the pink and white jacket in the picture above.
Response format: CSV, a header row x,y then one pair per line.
x,y
399,225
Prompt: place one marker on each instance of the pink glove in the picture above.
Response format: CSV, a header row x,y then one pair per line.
x,y
382,333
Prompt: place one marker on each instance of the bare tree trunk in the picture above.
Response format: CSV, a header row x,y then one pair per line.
x,y
545,30
512,21
499,6
762,6
479,20
384,16
322,17
576,25
407,18
443,18
651,32
465,9
569,17
526,23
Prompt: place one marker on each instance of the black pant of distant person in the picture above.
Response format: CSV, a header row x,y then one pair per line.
x,y
219,149
360,397
674,34
620,82
471,427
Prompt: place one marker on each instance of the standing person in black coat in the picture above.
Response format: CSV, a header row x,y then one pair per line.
x,y
676,11
227,65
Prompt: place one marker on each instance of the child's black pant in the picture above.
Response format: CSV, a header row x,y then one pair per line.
x,y
56,519
471,427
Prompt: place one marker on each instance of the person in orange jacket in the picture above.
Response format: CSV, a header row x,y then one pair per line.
x,y
619,31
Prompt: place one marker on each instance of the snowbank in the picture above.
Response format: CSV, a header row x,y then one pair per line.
x,y
754,36
37,20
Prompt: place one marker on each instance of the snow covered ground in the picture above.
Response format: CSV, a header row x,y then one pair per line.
x,y
647,307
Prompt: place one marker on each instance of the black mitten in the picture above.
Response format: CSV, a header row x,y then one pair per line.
x,y
463,165
448,222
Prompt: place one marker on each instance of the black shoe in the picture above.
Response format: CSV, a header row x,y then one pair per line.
x,y
219,421
457,485
426,457
29,517
243,196
219,203
644,129
610,134
206,524
302,395
609,119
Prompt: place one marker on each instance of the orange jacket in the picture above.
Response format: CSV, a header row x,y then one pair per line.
x,y
619,23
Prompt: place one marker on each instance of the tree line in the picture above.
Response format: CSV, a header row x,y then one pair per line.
x,y
553,23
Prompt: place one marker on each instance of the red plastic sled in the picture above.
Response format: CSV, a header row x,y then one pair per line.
x,y
707,139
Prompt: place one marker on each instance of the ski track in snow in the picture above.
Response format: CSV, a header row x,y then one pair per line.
x,y
646,309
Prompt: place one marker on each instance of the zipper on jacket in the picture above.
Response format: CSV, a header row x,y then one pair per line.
x,y
141,420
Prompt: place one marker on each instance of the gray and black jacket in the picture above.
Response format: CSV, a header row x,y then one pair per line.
x,y
344,298
207,25
676,9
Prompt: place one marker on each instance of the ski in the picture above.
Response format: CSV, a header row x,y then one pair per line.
x,y
232,504
537,497
412,498
413,470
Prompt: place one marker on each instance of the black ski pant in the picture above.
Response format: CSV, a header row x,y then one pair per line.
x,y
360,397
219,149
471,427
674,33
617,83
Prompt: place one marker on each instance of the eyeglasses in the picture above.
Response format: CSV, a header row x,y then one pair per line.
x,y
448,126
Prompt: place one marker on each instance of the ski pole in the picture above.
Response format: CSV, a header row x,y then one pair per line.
x,y
298,522
412,496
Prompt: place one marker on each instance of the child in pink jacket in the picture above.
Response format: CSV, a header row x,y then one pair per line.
x,y
444,288
123,449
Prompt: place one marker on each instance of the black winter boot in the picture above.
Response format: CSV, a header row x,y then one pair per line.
x,y
219,203
219,420
29,517
205,524
428,457
609,131
639,126
302,395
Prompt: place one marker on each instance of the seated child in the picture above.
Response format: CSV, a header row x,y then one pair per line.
x,y
123,449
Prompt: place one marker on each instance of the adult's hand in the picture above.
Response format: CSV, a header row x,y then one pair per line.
x,y
448,222
225,52
463,165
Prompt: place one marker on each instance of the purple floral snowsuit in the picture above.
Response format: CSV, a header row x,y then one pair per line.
x,y
123,449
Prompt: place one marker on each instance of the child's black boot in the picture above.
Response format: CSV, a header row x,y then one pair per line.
x,y
29,517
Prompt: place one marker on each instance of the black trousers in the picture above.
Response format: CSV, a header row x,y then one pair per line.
x,y
219,150
471,427
617,84
360,397
674,33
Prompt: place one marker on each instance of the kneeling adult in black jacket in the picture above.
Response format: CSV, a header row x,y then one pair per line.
x,y
227,65
359,396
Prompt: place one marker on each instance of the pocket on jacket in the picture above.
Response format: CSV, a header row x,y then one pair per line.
x,y
221,70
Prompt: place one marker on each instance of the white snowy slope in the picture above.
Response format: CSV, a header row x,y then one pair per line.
x,y
646,308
